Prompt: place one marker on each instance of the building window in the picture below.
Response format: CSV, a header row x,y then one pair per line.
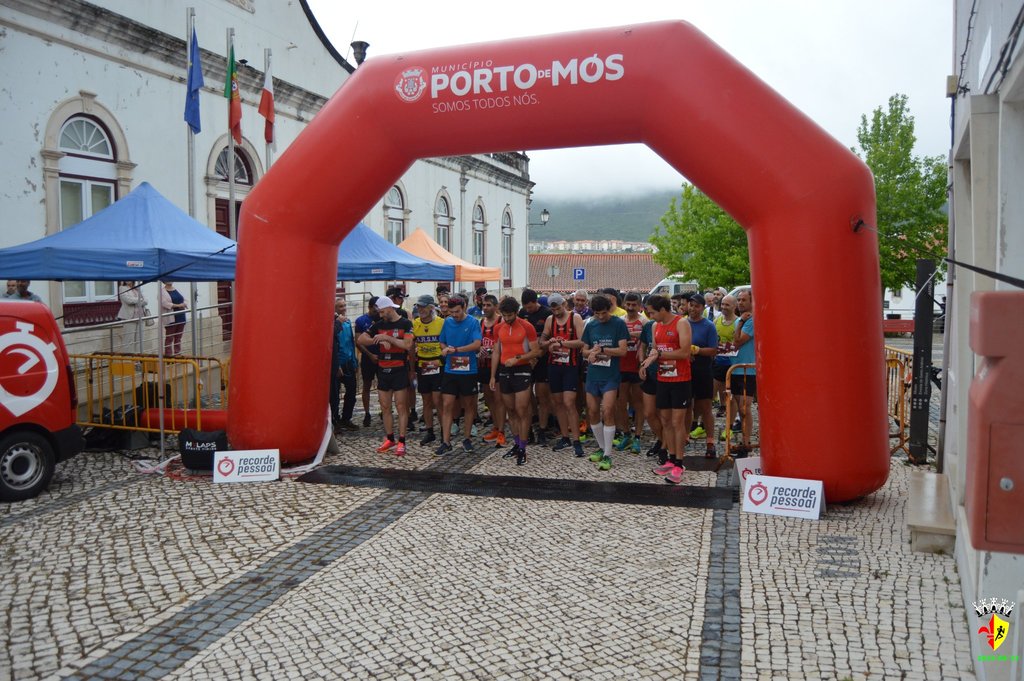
x,y
506,247
443,221
88,176
394,216
479,242
243,168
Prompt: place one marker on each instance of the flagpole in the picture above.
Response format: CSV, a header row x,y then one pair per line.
x,y
190,25
232,227
266,69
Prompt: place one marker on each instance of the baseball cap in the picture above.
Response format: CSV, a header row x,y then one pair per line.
x,y
696,297
384,301
556,299
425,299
481,291
395,291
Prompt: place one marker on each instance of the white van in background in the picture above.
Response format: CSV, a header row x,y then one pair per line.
x,y
673,285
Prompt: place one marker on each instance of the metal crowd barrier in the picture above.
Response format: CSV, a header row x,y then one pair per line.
x,y
122,391
898,378
727,456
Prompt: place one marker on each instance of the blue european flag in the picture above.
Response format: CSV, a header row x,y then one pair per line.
x,y
193,85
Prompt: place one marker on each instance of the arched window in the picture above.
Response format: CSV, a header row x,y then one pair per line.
x,y
394,216
443,222
478,235
243,167
88,180
506,247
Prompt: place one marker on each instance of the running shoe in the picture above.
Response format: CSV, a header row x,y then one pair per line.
x,y
500,442
604,464
493,435
724,435
740,452
400,449
665,468
711,452
467,446
584,427
655,448
512,451
675,476
349,426
428,438
367,421
737,424
445,448
561,444
720,412
583,437
635,446
596,456
386,445
698,432
521,456
662,456
617,440
542,437
473,430
577,449
624,443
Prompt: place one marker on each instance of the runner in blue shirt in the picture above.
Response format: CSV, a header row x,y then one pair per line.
x,y
460,340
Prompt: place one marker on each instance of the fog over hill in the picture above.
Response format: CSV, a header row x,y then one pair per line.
x,y
630,218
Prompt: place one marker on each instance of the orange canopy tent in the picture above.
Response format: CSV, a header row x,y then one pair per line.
x,y
422,246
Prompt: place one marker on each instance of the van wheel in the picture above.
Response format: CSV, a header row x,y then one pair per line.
x,y
26,465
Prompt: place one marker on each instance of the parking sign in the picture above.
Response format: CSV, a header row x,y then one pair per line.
x,y
578,274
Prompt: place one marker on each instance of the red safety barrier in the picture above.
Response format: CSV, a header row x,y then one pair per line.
x,y
802,197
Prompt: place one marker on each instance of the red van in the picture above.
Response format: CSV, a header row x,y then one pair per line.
x,y
37,400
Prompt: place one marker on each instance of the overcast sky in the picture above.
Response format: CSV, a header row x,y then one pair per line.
x,y
833,59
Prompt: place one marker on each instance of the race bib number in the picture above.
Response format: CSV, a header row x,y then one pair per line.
x,y
605,361
726,350
430,368
459,363
560,356
667,369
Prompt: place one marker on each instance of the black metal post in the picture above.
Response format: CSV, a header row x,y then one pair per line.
x,y
921,388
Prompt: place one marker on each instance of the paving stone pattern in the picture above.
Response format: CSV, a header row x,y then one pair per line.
x,y
125,576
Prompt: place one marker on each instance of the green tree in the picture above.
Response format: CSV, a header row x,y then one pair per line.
x,y
910,192
699,239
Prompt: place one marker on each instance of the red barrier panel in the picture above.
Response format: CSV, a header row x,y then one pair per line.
x,y
796,191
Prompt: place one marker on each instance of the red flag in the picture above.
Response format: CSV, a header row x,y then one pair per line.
x,y
267,106
235,100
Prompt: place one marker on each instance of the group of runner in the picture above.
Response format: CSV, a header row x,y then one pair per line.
x,y
540,363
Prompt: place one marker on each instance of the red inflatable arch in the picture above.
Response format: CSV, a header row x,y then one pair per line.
x,y
795,190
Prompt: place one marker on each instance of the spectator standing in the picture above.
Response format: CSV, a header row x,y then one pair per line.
x,y
582,307
477,311
21,291
346,373
12,288
132,310
173,306
725,327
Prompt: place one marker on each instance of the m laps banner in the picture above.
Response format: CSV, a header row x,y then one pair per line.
x,y
254,465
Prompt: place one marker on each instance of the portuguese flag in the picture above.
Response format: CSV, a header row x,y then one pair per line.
x,y
234,100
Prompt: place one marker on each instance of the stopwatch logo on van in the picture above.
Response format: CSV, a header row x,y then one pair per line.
x,y
411,84
35,350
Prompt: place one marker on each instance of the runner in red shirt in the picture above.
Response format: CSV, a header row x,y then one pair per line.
x,y
517,345
630,394
561,339
671,359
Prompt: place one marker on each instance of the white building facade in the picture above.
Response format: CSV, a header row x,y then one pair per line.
x,y
93,101
986,231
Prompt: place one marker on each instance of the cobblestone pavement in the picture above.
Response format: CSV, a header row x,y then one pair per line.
x,y
112,574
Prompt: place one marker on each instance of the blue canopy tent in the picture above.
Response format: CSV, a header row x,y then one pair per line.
x,y
143,236
365,255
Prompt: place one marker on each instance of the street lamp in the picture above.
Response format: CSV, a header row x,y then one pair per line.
x,y
544,217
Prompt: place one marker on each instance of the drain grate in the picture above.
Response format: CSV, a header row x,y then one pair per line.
x,y
516,487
